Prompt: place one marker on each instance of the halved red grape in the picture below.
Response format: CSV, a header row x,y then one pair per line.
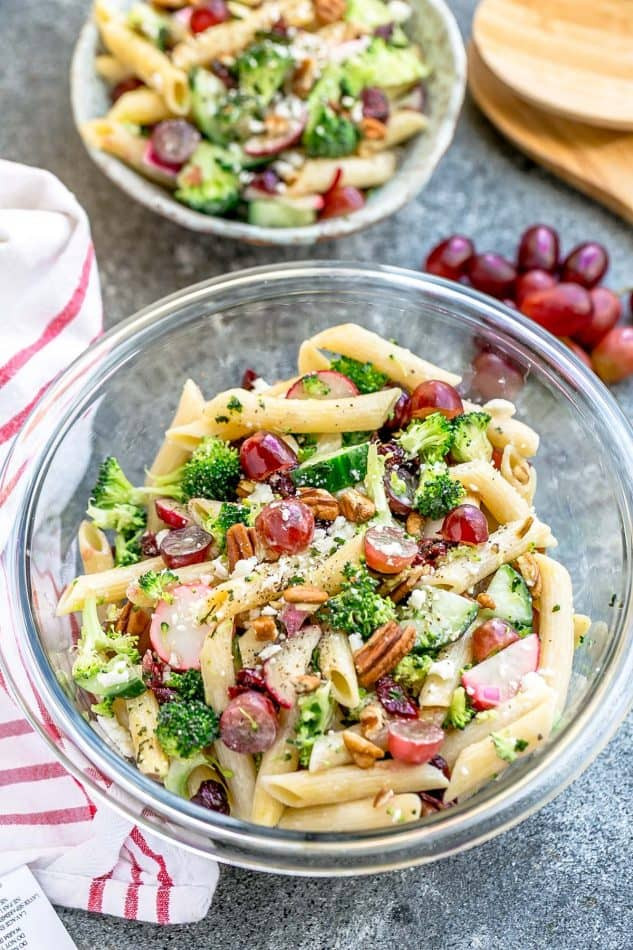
x,y
607,310
490,637
174,141
342,200
492,274
533,280
249,723
263,146
414,740
586,264
388,550
400,487
172,513
324,384
495,377
563,310
264,453
212,795
465,525
538,249
212,13
375,103
285,526
184,546
435,396
613,357
400,415
450,258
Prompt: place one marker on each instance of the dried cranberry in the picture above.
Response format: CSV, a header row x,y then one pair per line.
x,y
252,677
282,484
248,379
393,453
224,73
279,28
394,699
126,85
430,550
266,181
149,547
385,31
430,804
375,103
439,762
212,795
153,674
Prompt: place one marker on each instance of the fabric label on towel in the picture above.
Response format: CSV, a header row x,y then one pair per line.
x,y
27,919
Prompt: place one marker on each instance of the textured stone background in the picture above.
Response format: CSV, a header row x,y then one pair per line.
x,y
563,878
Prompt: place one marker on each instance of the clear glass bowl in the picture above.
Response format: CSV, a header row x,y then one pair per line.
x,y
119,396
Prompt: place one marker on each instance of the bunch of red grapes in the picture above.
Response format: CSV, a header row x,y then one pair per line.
x,y
564,296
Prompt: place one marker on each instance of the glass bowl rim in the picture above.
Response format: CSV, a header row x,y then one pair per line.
x,y
500,805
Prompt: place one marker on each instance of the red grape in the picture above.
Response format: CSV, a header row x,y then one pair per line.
x,y
563,310
400,488
388,550
495,377
249,723
375,104
264,453
174,141
466,525
613,357
586,264
400,415
538,249
212,13
286,526
414,740
450,258
342,200
492,274
607,310
492,636
185,546
435,396
531,281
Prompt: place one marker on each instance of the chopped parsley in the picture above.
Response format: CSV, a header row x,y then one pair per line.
x,y
234,404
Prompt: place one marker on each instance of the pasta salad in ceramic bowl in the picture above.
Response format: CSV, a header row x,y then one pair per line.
x,y
332,605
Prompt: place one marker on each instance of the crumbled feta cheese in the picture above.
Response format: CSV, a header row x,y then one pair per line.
x,y
117,734
259,385
269,611
118,674
269,651
341,528
260,495
399,10
355,642
244,567
219,568
356,113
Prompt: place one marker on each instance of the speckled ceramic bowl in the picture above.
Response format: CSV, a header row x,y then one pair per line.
x,y
432,25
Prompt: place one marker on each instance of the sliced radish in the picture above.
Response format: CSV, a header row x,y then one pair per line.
x,y
293,618
499,677
262,146
172,513
175,633
324,384
290,661
414,740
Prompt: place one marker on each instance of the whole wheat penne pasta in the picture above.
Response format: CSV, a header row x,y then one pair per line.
x,y
354,816
110,69
347,783
518,472
500,498
399,364
317,174
337,665
142,714
94,548
480,762
281,758
116,139
403,124
556,626
143,106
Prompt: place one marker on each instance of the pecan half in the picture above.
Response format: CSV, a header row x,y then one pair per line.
x,y
239,544
521,472
133,620
383,797
373,128
384,649
355,506
414,524
304,594
306,682
323,504
485,600
244,487
328,11
304,76
529,570
373,720
363,752
408,582
265,628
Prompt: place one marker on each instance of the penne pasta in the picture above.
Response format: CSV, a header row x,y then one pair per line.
x,y
501,499
440,683
403,124
330,751
353,816
116,139
94,548
281,758
110,69
337,665
317,174
216,665
239,775
142,106
142,713
556,627
518,472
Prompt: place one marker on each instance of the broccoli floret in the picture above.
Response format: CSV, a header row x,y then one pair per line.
x,y
375,485
262,69
315,714
367,378
127,548
185,727
209,182
104,707
154,583
330,135
358,608
437,493
213,471
314,387
106,662
188,685
412,670
382,64
507,747
307,447
228,515
116,505
430,439
355,438
470,441
460,712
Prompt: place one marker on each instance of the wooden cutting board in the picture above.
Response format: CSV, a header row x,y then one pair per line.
x,y
598,162
572,57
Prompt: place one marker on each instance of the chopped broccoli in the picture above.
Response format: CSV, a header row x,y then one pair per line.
x,y
188,685
355,438
185,727
154,26
437,493
507,747
375,484
213,471
262,69
358,608
315,714
104,707
308,446
209,182
220,116
127,548
382,64
153,584
430,438
315,387
106,662
460,712
470,441
412,670
329,135
116,505
228,515
366,377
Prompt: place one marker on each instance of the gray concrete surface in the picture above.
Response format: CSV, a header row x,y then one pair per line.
x,y
563,878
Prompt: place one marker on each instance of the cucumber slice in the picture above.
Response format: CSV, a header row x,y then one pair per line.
x,y
439,617
272,213
335,471
512,598
177,777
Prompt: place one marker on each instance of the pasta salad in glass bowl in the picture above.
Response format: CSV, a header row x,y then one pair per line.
x,y
331,606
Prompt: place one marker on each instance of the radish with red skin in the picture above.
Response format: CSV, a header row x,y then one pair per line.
x,y
388,550
172,513
498,678
175,633
323,384
264,146
211,14
415,741
263,453
293,618
249,723
290,661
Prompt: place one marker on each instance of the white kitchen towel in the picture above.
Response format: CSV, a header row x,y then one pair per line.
x,y
82,853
